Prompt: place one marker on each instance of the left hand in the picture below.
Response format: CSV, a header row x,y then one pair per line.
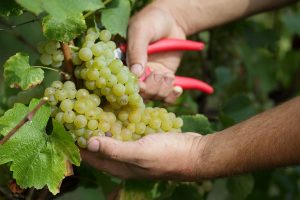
x,y
156,156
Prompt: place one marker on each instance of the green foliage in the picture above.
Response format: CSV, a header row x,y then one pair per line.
x,y
115,17
9,8
41,159
196,123
19,74
64,20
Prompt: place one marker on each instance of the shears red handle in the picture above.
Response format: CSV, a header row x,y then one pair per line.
x,y
167,45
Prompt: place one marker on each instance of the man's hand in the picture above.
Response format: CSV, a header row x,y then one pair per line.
x,y
149,25
157,156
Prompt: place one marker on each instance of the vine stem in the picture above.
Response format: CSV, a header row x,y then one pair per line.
x,y
27,118
68,68
66,75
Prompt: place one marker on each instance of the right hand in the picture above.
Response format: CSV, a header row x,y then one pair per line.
x,y
154,22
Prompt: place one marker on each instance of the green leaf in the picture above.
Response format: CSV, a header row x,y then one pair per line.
x,y
37,159
19,73
64,21
138,190
196,123
240,187
9,8
115,17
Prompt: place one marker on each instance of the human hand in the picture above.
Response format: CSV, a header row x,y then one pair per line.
x,y
151,24
156,156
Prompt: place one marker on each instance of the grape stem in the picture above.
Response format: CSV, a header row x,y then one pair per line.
x,y
68,68
66,76
27,118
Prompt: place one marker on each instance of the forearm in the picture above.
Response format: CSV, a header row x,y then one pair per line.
x,y
197,15
268,140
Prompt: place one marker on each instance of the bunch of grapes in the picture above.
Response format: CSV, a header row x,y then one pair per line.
x,y
109,104
50,53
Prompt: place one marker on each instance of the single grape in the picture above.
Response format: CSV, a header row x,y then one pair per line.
x,y
96,100
90,85
134,116
126,134
115,66
46,59
118,89
155,123
105,73
89,64
59,117
100,82
123,115
51,47
122,100
140,128
69,85
85,54
58,56
69,116
57,84
111,44
111,81
92,74
79,132
92,124
104,126
177,122
98,49
75,59
81,142
66,105
80,106
80,121
49,91
122,77
82,94
60,95
105,35
83,73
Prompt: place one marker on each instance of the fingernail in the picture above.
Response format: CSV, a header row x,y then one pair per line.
x,y
93,145
137,69
157,77
177,90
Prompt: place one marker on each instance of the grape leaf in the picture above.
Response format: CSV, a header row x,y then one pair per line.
x,y
37,159
115,17
196,123
64,21
9,8
19,73
240,187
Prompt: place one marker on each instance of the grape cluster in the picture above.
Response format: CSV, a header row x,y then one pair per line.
x,y
109,104
50,53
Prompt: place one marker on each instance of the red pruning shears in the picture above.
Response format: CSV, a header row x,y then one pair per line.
x,y
166,45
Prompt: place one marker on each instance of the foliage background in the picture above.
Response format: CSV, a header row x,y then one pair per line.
x,y
254,64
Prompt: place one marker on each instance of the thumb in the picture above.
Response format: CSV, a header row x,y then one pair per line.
x,y
138,40
114,149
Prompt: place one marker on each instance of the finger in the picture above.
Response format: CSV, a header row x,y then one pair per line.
x,y
116,150
139,37
166,86
176,92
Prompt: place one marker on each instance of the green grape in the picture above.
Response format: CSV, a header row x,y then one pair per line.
x,y
57,84
123,115
136,137
89,64
69,85
91,85
105,91
155,123
97,133
92,74
105,73
140,128
66,105
122,100
75,59
79,132
91,37
98,49
118,89
126,134
93,113
69,116
149,130
54,111
134,99
112,45
49,91
105,35
60,95
85,54
51,47
71,93
80,121
92,124
111,98
146,117
134,116
77,72
69,126
172,116
104,126
41,47
129,88
92,30
95,99
58,56
83,73
100,82
88,134
122,77
88,44
81,142
177,123
116,128
82,94
99,62
46,59
60,117
164,116
56,64
115,66
80,106
111,117
111,81
131,127
166,125
108,54
52,100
